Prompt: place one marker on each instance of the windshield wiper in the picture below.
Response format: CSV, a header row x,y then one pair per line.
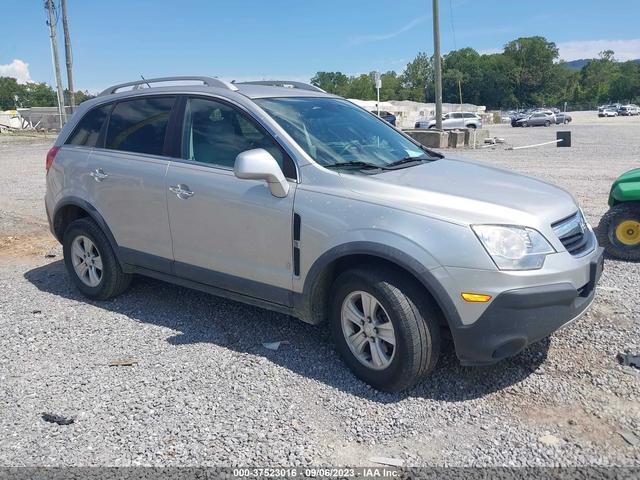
x,y
406,161
363,165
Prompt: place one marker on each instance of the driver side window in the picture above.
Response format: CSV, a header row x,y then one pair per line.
x,y
215,133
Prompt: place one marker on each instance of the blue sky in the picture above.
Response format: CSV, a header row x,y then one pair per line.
x,y
117,40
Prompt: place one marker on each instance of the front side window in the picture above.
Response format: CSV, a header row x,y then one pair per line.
x,y
88,129
216,133
335,132
139,125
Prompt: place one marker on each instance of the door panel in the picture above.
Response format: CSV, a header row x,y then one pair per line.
x,y
127,179
231,233
132,198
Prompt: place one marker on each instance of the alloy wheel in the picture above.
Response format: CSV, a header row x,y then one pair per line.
x,y
86,261
368,330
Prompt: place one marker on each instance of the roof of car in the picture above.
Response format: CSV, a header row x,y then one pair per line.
x,y
251,89
265,91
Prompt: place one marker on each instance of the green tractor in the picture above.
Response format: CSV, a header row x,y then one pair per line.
x,y
619,230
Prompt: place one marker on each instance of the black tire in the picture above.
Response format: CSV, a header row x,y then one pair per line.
x,y
547,123
472,126
414,319
113,280
607,231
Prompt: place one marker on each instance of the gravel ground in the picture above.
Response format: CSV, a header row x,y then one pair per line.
x,y
204,391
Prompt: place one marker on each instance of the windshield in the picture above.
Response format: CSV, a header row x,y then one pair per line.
x,y
336,133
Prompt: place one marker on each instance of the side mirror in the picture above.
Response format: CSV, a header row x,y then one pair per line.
x,y
258,164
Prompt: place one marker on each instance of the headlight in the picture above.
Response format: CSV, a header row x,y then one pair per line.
x,y
514,248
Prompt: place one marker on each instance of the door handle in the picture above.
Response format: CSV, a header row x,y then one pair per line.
x,y
182,191
99,174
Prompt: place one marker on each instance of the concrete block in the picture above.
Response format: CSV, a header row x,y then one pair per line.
x,y
430,138
477,135
456,138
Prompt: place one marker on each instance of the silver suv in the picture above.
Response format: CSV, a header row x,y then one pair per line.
x,y
285,197
453,120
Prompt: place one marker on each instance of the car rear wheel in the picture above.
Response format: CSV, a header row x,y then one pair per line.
x,y
384,328
619,231
547,123
525,124
91,262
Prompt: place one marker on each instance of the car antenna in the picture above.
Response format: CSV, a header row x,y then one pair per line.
x,y
145,81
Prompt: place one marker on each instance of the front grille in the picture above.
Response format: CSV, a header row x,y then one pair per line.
x,y
574,234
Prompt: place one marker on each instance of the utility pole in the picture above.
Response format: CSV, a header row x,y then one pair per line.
x,y
67,55
436,64
56,62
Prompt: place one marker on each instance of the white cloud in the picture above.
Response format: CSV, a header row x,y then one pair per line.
x,y
361,39
624,49
16,69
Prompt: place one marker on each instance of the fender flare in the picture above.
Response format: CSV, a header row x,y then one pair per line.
x,y
390,254
93,214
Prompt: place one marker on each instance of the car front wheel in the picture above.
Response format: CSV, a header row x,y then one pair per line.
x,y
619,231
384,328
91,262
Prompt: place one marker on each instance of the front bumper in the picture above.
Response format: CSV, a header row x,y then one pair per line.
x,y
517,318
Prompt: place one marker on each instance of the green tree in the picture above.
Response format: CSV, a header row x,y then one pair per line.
x,y
498,82
626,85
415,78
362,87
462,70
391,84
332,82
533,60
596,77
10,93
38,95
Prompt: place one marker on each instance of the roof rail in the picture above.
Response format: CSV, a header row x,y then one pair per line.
x,y
208,81
285,84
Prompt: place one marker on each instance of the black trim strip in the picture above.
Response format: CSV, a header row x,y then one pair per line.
x,y
296,227
225,281
214,290
296,261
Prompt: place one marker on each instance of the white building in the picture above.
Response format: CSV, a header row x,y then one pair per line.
x,y
408,112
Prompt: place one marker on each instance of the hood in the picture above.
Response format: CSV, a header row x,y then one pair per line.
x,y
468,192
626,187
630,176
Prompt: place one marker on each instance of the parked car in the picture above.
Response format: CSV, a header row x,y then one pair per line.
x,y
298,201
628,110
619,229
563,117
608,111
453,120
388,117
537,119
515,116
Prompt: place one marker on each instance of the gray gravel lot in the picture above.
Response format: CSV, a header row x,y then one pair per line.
x,y
204,391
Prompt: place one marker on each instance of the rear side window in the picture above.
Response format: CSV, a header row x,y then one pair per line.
x,y
139,125
88,129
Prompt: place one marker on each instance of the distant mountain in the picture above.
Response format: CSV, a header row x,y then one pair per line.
x,y
578,64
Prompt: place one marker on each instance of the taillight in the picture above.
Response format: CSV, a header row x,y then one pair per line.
x,y
51,155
